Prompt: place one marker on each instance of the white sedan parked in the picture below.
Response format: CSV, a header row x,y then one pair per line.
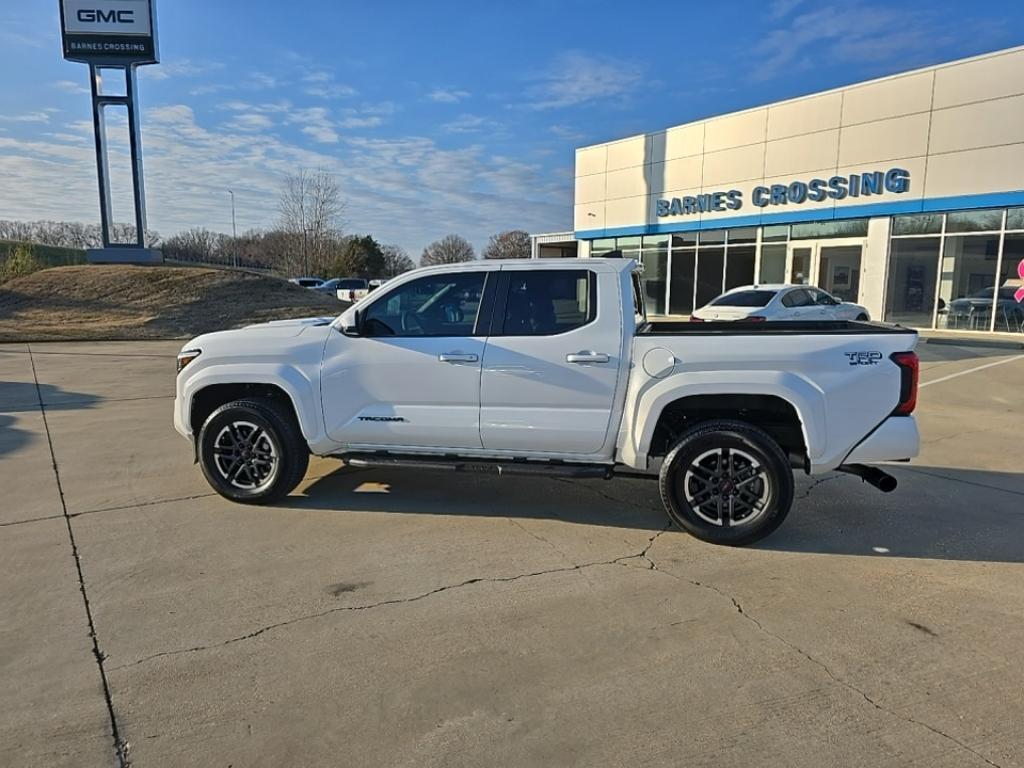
x,y
779,302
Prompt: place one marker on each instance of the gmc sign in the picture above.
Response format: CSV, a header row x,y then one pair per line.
x,y
109,31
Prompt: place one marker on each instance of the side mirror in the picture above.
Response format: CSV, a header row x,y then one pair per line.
x,y
349,323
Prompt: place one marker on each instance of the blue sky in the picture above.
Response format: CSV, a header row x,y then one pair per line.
x,y
436,117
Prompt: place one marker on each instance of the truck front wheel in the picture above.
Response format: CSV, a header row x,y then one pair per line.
x,y
727,482
252,451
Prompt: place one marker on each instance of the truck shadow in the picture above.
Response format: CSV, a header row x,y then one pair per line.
x,y
941,513
936,513
624,503
19,397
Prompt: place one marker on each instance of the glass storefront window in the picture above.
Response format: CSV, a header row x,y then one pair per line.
x,y
913,271
924,224
710,262
680,239
653,279
1015,218
627,243
684,263
773,264
598,247
815,230
744,235
1009,311
974,221
775,233
966,281
655,241
739,266
714,236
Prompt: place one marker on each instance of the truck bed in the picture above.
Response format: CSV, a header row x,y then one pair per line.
x,y
769,328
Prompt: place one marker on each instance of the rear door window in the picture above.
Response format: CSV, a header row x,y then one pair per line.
x,y
548,302
797,298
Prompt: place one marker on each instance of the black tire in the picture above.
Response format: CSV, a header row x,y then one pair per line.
x,y
272,464
701,477
862,317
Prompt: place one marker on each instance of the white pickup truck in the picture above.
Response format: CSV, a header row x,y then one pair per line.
x,y
551,367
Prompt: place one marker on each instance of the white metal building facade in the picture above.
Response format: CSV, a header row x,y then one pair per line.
x,y
905,194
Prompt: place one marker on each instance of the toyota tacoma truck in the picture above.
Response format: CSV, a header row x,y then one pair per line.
x,y
550,367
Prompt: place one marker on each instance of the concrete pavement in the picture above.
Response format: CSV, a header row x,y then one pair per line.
x,y
402,619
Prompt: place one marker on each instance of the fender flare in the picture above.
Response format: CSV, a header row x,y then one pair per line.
x,y
293,382
806,399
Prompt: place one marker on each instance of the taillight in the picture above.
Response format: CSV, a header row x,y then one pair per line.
x,y
910,369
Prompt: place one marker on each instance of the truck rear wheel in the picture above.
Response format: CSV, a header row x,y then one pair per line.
x,y
252,451
727,482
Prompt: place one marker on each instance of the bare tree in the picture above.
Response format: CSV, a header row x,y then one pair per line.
x,y
513,244
69,234
450,249
396,261
310,211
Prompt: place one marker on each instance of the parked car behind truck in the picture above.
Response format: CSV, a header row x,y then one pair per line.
x,y
547,367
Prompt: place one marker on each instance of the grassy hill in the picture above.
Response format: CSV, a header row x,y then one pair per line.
x,y
131,302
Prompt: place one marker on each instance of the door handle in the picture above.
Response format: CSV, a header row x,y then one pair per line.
x,y
457,357
587,357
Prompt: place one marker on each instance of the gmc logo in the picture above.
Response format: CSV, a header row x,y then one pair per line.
x,y
106,17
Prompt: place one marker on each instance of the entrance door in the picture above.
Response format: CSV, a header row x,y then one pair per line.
x,y
833,265
839,270
552,360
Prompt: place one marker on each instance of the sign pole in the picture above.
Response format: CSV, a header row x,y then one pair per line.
x,y
135,140
102,171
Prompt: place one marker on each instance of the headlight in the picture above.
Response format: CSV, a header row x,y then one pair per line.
x,y
186,357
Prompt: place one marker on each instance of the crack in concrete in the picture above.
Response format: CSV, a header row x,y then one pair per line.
x,y
31,520
920,471
120,745
540,538
823,666
402,600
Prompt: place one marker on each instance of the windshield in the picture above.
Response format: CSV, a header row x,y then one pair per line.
x,y
744,299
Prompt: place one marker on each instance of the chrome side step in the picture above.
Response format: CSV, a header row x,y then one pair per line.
x,y
483,466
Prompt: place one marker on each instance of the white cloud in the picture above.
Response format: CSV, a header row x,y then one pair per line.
x,y
316,123
447,95
362,122
251,121
70,86
178,68
330,91
577,78
42,116
856,33
469,124
566,132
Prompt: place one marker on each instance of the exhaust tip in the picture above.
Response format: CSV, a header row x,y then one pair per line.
x,y
887,484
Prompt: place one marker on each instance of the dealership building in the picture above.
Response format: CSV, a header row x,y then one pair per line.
x,y
904,194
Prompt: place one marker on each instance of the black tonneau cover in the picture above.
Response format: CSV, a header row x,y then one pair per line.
x,y
768,328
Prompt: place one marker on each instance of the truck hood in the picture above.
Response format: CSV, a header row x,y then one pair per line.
x,y
260,335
